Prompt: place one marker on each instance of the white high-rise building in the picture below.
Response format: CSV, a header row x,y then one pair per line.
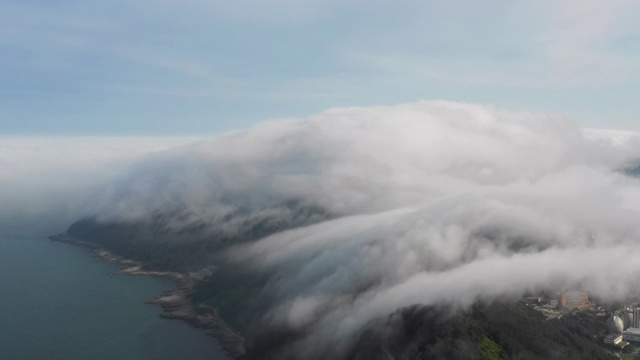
x,y
633,332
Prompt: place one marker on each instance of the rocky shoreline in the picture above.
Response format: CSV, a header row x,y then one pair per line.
x,y
175,303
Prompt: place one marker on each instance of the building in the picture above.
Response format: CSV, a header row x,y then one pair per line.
x,y
614,339
626,319
627,316
534,299
572,300
631,334
614,324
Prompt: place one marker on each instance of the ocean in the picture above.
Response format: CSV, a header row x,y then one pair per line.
x,y
57,301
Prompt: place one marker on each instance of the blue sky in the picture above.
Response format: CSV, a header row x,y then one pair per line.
x,y
199,67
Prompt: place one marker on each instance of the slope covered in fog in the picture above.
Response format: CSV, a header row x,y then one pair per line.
x,y
329,223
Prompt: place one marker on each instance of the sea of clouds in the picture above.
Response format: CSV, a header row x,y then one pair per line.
x,y
431,202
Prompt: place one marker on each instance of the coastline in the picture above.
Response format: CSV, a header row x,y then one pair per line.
x,y
175,303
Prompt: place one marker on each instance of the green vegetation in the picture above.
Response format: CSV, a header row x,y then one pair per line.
x,y
192,246
149,243
496,331
234,294
490,350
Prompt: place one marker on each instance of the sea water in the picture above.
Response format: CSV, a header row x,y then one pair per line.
x,y
57,301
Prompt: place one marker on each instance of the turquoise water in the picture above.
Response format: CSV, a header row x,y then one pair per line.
x,y
57,301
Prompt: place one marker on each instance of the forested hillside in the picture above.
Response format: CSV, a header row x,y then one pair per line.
x,y
488,332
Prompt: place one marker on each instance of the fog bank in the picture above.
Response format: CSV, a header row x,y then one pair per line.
x,y
430,202
47,182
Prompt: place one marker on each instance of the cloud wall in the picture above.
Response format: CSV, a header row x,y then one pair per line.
x,y
431,202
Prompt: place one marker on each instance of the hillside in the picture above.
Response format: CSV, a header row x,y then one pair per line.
x,y
493,331
488,332
160,245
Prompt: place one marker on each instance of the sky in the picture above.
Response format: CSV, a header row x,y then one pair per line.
x,y
208,67
434,145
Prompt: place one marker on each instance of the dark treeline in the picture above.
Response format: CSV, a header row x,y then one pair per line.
x,y
191,246
492,332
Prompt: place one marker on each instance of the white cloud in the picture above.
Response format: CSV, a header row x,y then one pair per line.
x,y
542,44
431,202
46,182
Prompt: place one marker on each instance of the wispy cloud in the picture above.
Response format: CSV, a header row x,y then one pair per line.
x,y
542,44
579,45
542,55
